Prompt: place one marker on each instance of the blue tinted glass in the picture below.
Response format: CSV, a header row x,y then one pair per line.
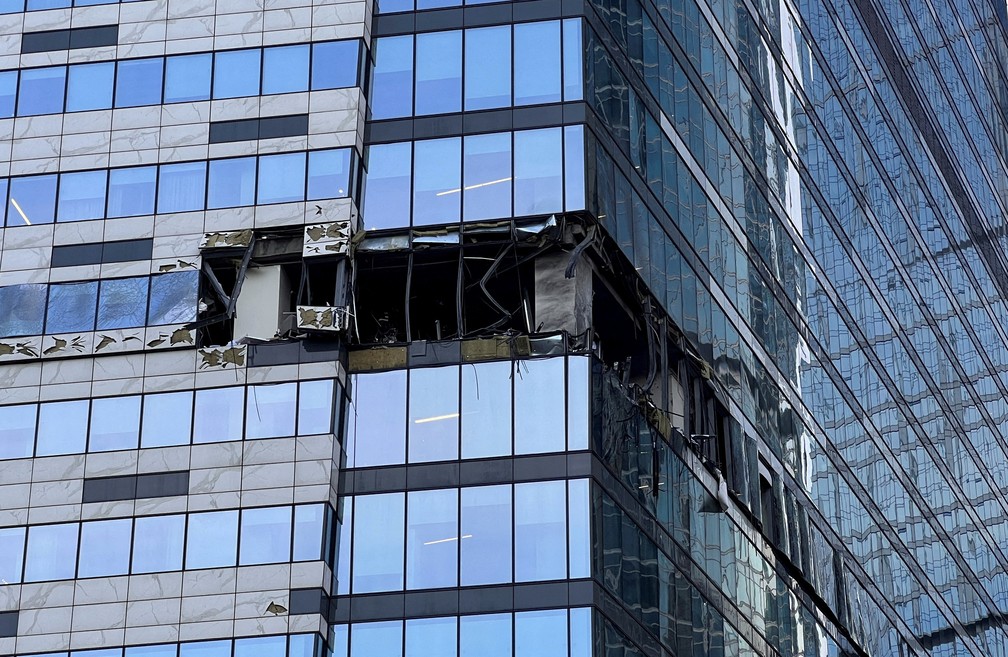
x,y
486,521
17,430
265,536
487,176
52,552
432,539
389,6
232,183
8,91
164,650
62,428
173,298
437,181
181,187
187,78
138,82
315,407
427,637
379,430
541,633
387,191
538,171
537,63
285,69
32,200
573,52
334,64
392,81
540,534
41,91
579,533
261,646
105,548
308,522
488,67
71,307
236,73
167,419
439,72
122,302
11,6
486,409
281,178
206,649
90,86
219,414
328,174
302,645
378,542
580,632
486,635
25,309
433,414
539,407
212,540
11,554
115,424
271,410
81,196
131,191
574,172
372,639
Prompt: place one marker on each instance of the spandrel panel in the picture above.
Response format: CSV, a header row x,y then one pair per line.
x,y
173,298
212,540
219,414
433,414
271,411
24,309
167,419
378,542
486,409
122,303
115,424
432,539
62,427
540,424
158,543
486,531
105,548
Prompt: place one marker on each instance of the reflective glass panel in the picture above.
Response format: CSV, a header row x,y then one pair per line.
x,y
371,639
138,82
212,540
41,91
438,72
236,73
285,69
579,533
380,418
24,309
344,547
52,552
437,181
218,415
115,424
488,67
173,298
538,171
167,419
281,178
302,645
232,183
541,633
32,200
163,650
485,635
487,176
308,525
131,191
433,414
581,632
182,187
206,649
105,547
81,196
315,407
122,302
574,172
328,174
11,554
537,63
539,406
378,542
486,409
261,646
8,93
540,531
157,545
72,307
430,637
432,539
387,192
334,64
578,393
89,86
265,536
486,535
392,78
17,430
271,411
187,78
573,55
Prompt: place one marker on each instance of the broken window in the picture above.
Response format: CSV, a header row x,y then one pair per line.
x,y
173,298
72,307
24,309
122,302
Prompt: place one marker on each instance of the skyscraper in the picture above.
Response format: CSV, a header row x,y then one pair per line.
x,y
416,328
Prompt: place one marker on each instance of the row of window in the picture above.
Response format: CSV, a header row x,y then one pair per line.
x,y
152,544
177,187
541,633
161,419
477,410
471,536
108,304
294,645
477,68
475,178
16,6
179,78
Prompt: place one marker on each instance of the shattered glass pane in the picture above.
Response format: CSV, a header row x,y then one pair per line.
x,y
72,307
23,309
173,298
122,303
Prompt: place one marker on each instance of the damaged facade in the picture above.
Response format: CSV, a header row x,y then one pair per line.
x,y
518,329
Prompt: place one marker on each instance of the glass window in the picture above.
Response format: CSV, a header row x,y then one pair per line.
x,y
433,414
574,172
285,69
334,64
392,78
578,393
218,415
379,418
163,650
539,406
81,196
487,176
206,649
17,430
432,539
437,181
187,78
4,185
541,633
24,309
315,407
488,67
232,182
378,542
581,632
281,178
261,646
122,302
11,553
157,546
343,552
573,51
182,187
538,162
271,410
485,635
265,536
328,174
212,540
236,73
115,424
138,82
304,645
486,535
89,86
438,72
579,533
308,523
32,200
537,63
387,192
52,552
486,409
173,298
41,91
105,547
72,307
167,419
430,637
8,93
131,191
372,639
540,531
